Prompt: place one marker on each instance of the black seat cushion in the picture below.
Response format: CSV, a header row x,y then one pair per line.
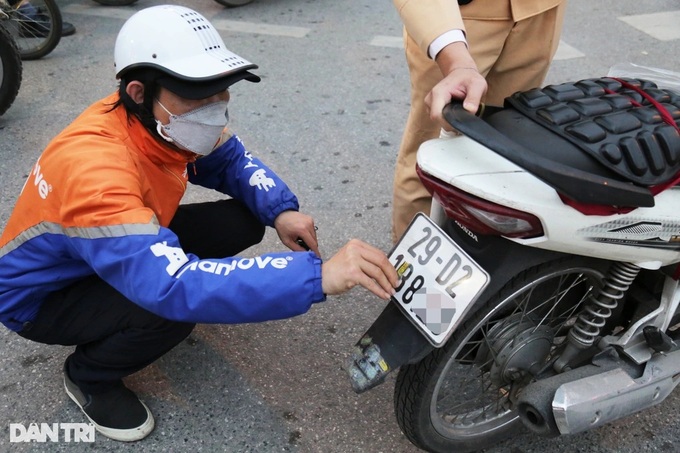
x,y
613,124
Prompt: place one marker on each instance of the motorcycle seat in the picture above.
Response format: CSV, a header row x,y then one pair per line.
x,y
595,141
613,120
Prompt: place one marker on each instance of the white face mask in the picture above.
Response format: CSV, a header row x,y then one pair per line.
x,y
197,130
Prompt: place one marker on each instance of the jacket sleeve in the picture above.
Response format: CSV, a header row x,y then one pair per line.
x,y
148,266
232,170
111,231
425,20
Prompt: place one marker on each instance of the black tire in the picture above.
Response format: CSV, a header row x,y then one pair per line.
x,y
233,3
35,27
10,70
115,2
461,397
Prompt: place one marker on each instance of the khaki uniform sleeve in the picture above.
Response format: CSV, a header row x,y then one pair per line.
x,y
425,20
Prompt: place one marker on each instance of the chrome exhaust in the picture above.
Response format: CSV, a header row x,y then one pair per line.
x,y
596,400
594,395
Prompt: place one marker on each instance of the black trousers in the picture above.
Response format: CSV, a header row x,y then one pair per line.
x,y
113,336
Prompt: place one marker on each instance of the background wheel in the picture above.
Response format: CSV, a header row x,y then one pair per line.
x,y
10,70
462,397
115,2
233,3
35,26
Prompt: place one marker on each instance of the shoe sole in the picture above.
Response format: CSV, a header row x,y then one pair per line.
x,y
124,435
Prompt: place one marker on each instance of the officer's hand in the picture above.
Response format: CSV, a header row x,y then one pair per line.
x,y
358,263
292,226
461,81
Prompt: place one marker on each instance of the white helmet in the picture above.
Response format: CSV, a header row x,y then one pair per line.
x,y
183,47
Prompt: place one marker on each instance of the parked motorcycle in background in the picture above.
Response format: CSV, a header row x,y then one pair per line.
x,y
10,69
228,3
35,26
543,289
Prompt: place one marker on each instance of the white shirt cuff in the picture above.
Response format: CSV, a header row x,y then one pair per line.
x,y
444,40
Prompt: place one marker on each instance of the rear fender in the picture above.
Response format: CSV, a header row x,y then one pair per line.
x,y
393,341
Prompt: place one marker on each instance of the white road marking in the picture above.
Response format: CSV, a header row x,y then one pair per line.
x,y
567,52
220,24
564,51
260,28
387,41
101,11
663,26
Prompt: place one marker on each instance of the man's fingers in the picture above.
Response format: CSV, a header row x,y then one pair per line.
x,y
313,243
358,263
473,98
381,274
383,271
376,281
308,241
369,278
464,84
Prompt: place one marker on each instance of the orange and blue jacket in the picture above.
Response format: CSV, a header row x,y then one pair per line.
x,y
99,201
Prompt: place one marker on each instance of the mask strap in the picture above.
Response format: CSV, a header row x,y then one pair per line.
x,y
159,126
159,129
163,107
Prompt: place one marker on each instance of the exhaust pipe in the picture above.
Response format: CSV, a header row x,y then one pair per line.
x,y
535,404
594,395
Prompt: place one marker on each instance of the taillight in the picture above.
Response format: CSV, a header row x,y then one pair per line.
x,y
479,215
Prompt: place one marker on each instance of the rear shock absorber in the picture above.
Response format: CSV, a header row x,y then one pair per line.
x,y
597,310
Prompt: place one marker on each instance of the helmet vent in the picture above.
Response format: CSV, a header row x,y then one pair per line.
x,y
210,38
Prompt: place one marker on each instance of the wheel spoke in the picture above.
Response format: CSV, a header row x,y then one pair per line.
x,y
473,394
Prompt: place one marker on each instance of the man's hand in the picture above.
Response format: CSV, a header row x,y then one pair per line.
x,y
358,263
462,81
293,225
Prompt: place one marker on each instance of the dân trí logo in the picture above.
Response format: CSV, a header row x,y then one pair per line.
x,y
51,432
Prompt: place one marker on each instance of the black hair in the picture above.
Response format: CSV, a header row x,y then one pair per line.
x,y
144,110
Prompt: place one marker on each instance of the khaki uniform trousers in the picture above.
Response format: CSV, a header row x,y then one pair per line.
x,y
513,56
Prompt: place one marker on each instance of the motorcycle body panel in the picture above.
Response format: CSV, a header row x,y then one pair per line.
x,y
648,237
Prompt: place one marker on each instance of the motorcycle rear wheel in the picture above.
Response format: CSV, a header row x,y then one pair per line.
x,y
115,2
233,3
10,70
35,26
461,397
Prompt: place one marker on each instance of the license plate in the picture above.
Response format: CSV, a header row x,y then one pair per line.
x,y
439,281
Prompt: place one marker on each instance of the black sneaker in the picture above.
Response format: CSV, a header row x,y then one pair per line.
x,y
117,413
38,25
67,28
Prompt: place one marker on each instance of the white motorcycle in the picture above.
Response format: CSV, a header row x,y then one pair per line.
x,y
543,289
